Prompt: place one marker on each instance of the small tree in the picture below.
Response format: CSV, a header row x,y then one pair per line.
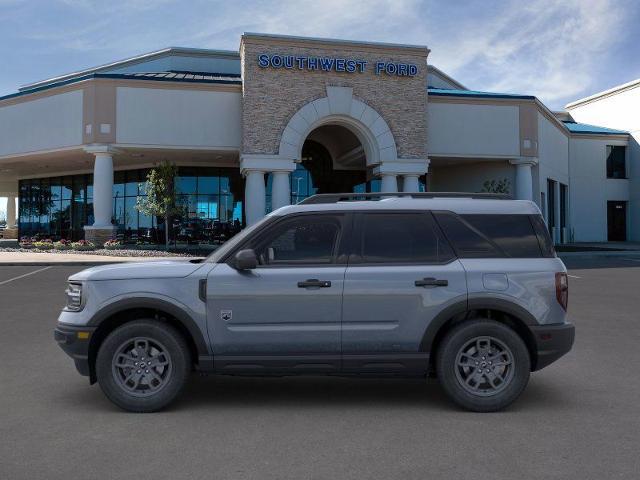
x,y
496,186
160,200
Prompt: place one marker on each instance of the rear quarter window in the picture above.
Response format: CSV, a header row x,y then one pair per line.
x,y
491,236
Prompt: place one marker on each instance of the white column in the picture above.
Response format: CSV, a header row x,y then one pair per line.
x,y
389,183
411,183
103,189
280,190
524,178
254,196
11,211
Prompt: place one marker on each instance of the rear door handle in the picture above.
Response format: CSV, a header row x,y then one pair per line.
x,y
314,283
431,282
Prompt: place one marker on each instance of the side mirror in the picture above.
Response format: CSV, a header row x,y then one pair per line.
x,y
245,260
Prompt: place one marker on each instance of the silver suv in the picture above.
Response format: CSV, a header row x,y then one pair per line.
x,y
466,288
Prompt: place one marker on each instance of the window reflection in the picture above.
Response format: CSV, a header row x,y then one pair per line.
x,y
211,200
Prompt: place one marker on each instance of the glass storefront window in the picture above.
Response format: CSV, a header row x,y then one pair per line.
x,y
60,207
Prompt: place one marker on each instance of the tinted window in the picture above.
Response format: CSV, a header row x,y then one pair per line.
x,y
491,236
616,162
402,238
300,240
513,234
467,242
544,240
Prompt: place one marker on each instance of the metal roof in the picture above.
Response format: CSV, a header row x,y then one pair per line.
x,y
187,77
585,128
474,93
132,61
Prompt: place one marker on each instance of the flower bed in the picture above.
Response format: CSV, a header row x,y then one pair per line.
x,y
62,245
83,245
113,245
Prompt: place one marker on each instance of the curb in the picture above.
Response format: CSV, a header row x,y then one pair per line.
x,y
596,253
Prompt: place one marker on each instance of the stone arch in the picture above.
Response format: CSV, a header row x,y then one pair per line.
x,y
339,107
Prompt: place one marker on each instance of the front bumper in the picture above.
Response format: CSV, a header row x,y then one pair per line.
x,y
74,340
552,342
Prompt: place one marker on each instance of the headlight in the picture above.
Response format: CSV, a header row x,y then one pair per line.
x,y
74,297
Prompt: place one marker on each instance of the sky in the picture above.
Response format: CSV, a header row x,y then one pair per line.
x,y
557,50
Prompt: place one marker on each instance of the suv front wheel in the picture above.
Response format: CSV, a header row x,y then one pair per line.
x,y
143,365
483,365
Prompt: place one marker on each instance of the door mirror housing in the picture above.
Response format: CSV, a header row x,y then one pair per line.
x,y
245,260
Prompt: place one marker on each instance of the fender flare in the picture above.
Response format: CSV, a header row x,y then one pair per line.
x,y
155,304
473,303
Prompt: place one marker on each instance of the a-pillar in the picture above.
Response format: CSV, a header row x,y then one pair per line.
x,y
524,177
102,228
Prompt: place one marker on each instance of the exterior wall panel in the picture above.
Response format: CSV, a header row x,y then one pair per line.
x,y
44,124
189,118
469,129
590,189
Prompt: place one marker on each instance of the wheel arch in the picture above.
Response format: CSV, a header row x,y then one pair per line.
x,y
503,311
123,311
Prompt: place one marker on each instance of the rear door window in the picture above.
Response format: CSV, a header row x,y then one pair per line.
x,y
405,238
491,236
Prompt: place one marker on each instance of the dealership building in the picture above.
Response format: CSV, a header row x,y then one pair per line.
x,y
285,117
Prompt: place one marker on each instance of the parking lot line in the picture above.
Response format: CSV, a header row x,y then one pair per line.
x,y
25,275
573,276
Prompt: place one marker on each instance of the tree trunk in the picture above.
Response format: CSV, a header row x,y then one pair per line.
x,y
166,232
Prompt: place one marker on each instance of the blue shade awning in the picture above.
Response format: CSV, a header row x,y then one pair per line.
x,y
575,127
444,92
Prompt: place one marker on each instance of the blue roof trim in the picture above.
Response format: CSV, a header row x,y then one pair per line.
x,y
585,128
225,80
444,92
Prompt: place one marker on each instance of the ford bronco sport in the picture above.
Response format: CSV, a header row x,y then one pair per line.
x,y
464,287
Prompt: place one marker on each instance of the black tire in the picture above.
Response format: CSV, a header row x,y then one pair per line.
x,y
161,384
457,365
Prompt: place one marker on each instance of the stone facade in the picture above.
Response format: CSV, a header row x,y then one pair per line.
x,y
99,236
272,96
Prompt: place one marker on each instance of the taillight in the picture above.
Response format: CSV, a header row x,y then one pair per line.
x,y
562,289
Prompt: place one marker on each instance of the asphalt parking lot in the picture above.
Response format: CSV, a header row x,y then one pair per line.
x,y
578,418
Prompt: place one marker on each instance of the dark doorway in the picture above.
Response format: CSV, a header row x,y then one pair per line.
x,y
617,221
317,160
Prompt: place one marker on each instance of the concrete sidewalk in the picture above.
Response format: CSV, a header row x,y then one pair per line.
x,y
71,259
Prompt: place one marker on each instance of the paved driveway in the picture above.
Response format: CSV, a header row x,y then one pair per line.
x,y
579,418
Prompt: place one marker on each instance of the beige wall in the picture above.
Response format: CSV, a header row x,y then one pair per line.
x,y
469,175
172,117
45,123
473,129
272,96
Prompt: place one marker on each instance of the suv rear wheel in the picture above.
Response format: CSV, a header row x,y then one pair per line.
x,y
483,365
143,365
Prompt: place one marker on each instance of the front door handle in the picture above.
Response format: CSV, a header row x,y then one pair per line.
x,y
431,282
314,283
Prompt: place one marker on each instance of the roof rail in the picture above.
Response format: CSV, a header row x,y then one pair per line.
x,y
347,197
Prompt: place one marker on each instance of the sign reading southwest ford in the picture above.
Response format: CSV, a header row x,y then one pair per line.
x,y
332,64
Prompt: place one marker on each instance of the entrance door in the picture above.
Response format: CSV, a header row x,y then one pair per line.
x,y
617,221
286,313
401,274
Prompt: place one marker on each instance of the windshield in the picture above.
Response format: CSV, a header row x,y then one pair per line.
x,y
226,247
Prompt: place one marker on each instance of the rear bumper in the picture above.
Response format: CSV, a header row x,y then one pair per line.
x,y
552,342
74,340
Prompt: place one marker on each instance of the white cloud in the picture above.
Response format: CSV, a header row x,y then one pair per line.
x,y
548,49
